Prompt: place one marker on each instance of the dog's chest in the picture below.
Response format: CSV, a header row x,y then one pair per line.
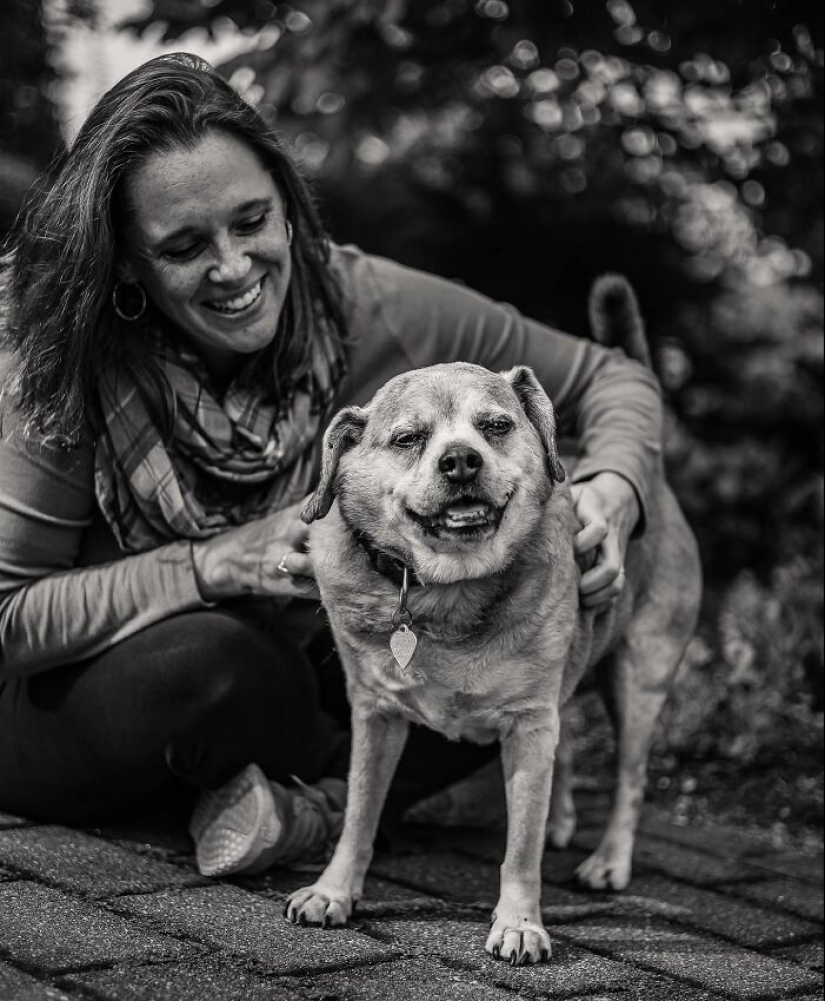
x,y
466,702
457,715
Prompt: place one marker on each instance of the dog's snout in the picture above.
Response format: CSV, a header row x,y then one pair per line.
x,y
460,464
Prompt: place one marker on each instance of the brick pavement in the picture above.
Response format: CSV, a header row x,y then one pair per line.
x,y
121,914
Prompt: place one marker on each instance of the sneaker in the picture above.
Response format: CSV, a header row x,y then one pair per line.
x,y
250,823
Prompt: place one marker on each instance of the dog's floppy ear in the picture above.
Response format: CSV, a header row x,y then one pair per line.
x,y
536,404
344,431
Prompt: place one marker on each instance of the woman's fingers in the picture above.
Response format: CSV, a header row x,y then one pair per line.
x,y
591,535
593,523
606,579
296,564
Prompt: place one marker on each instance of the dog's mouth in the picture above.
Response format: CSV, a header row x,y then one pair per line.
x,y
464,517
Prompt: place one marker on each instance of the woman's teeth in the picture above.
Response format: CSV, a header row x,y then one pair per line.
x,y
239,304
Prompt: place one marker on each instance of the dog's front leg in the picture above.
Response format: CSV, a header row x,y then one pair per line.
x,y
377,743
517,933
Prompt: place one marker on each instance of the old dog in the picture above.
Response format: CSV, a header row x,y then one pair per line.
x,y
443,546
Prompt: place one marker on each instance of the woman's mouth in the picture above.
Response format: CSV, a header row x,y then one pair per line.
x,y
239,303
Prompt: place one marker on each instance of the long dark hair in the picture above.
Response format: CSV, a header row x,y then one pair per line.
x,y
59,266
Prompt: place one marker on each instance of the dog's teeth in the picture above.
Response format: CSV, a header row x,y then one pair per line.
x,y
461,517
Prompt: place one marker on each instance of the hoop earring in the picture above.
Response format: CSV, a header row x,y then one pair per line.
x,y
134,290
289,233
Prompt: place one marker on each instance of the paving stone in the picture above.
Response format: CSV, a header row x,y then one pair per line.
x,y
18,986
444,875
45,929
807,868
381,897
811,954
673,859
652,988
558,867
785,894
9,820
404,980
570,971
456,877
5,875
153,836
745,924
694,959
204,980
724,841
83,864
243,924
686,864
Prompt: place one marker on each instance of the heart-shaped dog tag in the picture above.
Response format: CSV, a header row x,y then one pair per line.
x,y
403,643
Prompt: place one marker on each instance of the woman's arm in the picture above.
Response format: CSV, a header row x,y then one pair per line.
x,y
52,611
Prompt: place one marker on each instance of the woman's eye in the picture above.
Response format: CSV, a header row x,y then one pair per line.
x,y
253,225
187,253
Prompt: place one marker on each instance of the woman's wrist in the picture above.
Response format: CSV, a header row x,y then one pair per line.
x,y
204,567
620,502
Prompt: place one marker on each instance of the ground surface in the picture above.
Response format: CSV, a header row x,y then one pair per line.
x,y
121,915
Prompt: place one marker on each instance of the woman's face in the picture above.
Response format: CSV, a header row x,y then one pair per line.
x,y
208,241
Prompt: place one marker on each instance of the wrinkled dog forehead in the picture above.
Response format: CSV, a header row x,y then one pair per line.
x,y
441,393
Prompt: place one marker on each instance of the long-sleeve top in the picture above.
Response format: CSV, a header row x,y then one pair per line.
x,y
67,592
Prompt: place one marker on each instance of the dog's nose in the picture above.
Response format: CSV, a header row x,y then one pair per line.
x,y
460,464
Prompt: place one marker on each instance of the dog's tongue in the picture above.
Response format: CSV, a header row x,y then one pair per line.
x,y
464,515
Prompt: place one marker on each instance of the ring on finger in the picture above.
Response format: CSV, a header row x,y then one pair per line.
x,y
282,567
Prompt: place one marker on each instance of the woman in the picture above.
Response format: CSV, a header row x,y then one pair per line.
x,y
177,331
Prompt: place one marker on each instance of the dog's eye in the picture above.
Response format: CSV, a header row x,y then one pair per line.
x,y
497,426
407,439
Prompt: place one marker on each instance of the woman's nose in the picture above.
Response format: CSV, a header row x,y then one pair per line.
x,y
232,263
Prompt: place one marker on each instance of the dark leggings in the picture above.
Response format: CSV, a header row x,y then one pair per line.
x,y
183,706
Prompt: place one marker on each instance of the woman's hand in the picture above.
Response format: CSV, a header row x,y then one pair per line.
x,y
608,510
264,558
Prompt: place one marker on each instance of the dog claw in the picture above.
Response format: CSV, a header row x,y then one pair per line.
x,y
545,956
496,952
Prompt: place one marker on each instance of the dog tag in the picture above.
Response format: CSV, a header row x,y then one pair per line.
x,y
403,643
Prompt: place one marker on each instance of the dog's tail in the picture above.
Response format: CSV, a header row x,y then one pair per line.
x,y
615,319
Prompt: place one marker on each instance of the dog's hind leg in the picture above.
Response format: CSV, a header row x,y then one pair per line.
x,y
634,712
635,683
561,824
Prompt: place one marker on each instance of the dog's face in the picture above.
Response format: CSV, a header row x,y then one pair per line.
x,y
448,467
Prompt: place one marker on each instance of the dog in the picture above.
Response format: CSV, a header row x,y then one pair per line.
x,y
442,538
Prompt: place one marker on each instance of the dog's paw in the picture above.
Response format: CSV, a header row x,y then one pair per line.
x,y
559,831
317,905
605,871
519,943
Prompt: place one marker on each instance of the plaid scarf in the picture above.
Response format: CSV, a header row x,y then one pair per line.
x,y
226,463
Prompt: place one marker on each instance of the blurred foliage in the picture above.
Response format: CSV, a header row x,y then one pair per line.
x,y
28,131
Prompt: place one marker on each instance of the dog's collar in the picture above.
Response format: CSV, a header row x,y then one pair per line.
x,y
389,566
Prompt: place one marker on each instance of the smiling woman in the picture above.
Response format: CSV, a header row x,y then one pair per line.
x,y
178,330
208,239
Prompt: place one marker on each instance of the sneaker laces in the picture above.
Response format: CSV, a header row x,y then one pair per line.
x,y
312,819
